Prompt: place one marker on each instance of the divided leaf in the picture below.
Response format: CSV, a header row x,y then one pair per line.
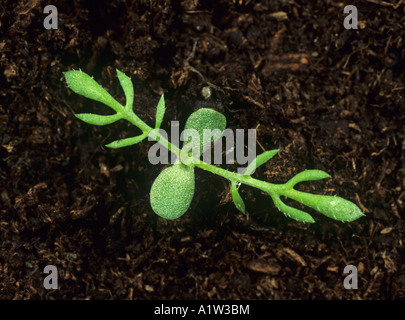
x,y
172,191
237,199
160,112
208,123
127,141
128,88
260,160
81,83
97,119
291,212
307,175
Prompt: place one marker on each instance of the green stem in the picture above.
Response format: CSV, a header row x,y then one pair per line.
x,y
152,133
245,179
135,120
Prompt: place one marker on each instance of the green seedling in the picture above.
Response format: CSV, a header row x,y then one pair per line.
x,y
173,190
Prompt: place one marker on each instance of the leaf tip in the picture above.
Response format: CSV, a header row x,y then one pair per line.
x,y
110,145
120,73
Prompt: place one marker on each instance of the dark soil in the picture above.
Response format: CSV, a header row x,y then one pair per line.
x,y
329,98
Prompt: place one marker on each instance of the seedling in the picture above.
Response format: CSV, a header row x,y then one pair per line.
x,y
173,190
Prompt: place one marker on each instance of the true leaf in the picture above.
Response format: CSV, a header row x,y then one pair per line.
x,y
260,160
127,141
172,191
307,175
205,120
291,212
98,120
128,88
237,199
83,84
160,112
